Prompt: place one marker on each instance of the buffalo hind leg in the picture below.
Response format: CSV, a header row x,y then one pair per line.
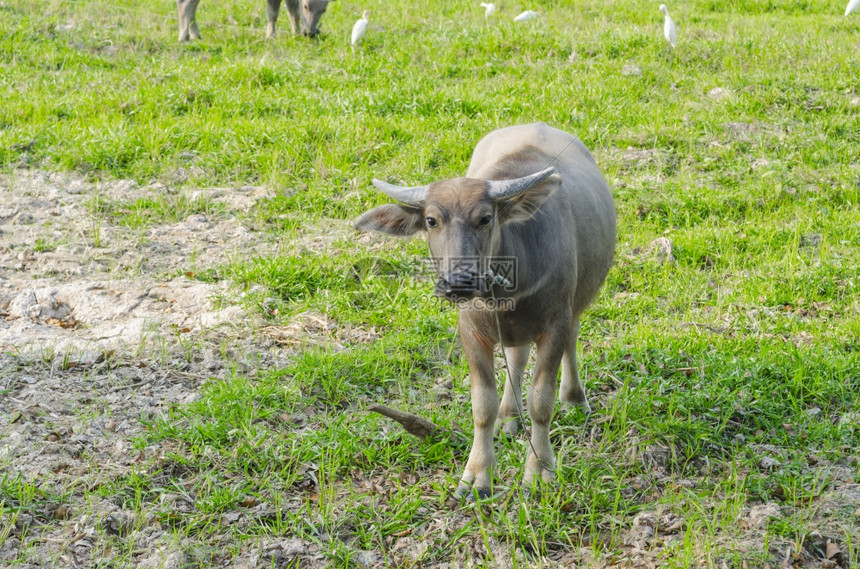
x,y
188,19
478,474
511,409
273,8
571,392
540,464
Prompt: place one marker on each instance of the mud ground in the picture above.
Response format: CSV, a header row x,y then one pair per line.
x,y
101,326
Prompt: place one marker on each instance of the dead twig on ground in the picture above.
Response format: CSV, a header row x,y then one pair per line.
x,y
414,425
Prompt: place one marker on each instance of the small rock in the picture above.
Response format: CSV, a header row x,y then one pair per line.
x,y
740,130
769,463
719,93
23,523
644,528
24,219
662,249
656,456
247,561
811,240
62,512
290,547
190,398
410,550
852,419
758,516
230,518
117,523
162,560
367,558
631,71
197,221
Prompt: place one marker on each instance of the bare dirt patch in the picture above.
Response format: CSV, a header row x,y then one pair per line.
x,y
102,325
72,280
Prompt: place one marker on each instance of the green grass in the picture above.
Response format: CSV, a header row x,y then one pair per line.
x,y
749,341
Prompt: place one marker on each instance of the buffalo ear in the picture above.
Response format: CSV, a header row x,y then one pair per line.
x,y
393,219
525,205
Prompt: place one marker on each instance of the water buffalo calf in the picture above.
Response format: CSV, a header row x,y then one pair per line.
x,y
304,15
521,244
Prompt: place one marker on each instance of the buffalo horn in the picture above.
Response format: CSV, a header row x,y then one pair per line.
x,y
509,189
410,196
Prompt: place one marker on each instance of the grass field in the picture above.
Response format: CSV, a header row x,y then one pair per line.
x,y
722,379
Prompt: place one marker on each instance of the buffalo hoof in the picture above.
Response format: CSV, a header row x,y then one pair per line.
x,y
508,427
532,491
583,406
471,493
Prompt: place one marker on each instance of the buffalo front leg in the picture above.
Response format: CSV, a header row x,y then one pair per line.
x,y
188,19
540,464
478,475
295,16
571,392
511,409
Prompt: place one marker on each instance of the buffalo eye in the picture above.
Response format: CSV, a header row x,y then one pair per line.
x,y
431,222
485,220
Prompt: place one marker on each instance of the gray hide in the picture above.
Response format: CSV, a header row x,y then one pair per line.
x,y
304,16
532,200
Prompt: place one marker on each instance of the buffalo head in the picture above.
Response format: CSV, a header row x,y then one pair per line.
x,y
462,218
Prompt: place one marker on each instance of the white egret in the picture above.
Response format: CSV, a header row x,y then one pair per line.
x,y
668,26
526,16
358,29
852,5
489,9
